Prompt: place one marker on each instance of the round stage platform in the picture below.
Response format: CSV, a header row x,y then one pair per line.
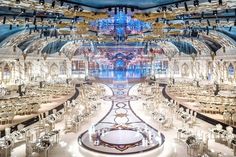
x,y
116,137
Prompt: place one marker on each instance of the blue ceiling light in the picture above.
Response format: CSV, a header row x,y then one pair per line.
x,y
120,25
120,21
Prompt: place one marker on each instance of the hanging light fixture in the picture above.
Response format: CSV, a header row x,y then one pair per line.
x,y
53,3
185,6
208,23
41,2
177,5
220,2
34,21
4,20
196,3
207,29
22,11
215,12
61,2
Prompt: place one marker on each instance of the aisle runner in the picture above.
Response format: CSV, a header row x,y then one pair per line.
x,y
121,131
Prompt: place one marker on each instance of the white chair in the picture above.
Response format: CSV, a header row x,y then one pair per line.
x,y
229,129
20,127
234,118
229,136
3,118
77,121
69,125
35,108
203,108
168,124
193,149
10,117
194,118
191,112
219,127
187,111
227,117
221,109
22,109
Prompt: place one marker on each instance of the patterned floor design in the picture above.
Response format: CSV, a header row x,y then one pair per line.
x,y
121,131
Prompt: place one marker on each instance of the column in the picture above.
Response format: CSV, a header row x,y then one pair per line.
x,y
152,66
171,68
86,67
43,70
22,70
234,64
69,68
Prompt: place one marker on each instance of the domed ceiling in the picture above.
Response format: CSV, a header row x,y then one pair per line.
x,y
190,26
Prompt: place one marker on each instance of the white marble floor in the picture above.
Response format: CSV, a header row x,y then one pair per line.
x,y
68,146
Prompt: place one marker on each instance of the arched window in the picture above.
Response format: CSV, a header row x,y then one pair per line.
x,y
54,70
6,73
210,70
185,70
63,68
0,75
28,69
231,70
176,69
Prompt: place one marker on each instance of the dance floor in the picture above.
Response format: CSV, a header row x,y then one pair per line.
x,y
121,131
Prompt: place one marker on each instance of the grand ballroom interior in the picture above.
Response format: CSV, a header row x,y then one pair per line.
x,y
107,78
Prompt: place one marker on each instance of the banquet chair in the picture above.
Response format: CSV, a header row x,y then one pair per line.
x,y
221,109
191,113
229,136
10,117
193,149
219,127
215,109
27,109
229,108
41,120
187,110
208,108
234,119
168,124
227,117
203,108
3,118
77,121
35,108
22,109
58,114
194,117
68,124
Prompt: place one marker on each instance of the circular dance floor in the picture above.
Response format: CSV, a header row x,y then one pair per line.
x,y
121,131
122,137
